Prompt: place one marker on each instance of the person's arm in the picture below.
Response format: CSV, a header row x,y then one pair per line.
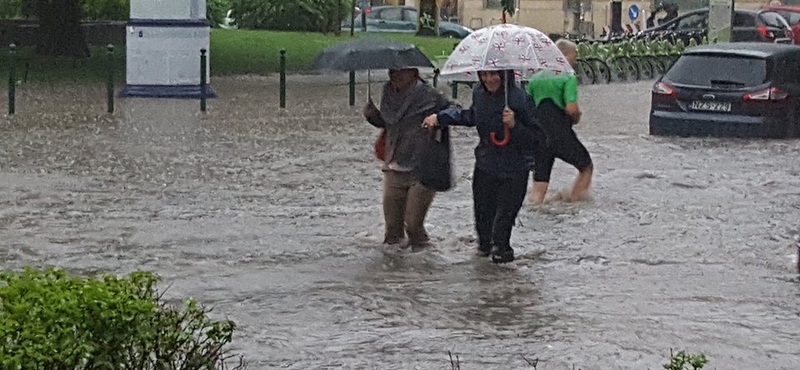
x,y
571,99
373,115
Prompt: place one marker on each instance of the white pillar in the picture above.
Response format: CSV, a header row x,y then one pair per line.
x,y
164,39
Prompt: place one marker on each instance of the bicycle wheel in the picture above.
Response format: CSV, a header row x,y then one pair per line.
x,y
632,71
657,65
645,69
601,70
585,73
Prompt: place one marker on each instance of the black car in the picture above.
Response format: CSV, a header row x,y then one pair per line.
x,y
745,89
748,25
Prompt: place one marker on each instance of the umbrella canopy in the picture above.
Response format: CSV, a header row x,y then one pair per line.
x,y
371,53
502,47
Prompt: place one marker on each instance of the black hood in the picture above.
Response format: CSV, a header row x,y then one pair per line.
x,y
511,80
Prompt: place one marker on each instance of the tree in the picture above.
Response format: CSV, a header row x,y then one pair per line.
x,y
60,31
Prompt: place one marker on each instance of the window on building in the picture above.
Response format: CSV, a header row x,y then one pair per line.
x,y
492,4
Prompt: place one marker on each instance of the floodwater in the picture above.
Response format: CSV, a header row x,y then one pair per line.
x,y
273,218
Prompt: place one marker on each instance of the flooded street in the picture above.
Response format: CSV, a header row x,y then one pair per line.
x,y
273,218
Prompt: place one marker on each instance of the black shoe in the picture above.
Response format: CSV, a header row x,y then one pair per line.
x,y
504,255
484,250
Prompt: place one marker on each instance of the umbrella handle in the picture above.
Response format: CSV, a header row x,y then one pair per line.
x,y
506,137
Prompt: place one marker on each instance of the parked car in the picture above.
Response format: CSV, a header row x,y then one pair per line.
x,y
748,25
792,16
748,89
402,19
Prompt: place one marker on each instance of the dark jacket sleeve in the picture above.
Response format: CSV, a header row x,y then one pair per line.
x,y
457,116
377,120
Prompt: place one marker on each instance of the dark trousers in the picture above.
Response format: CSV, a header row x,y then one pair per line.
x,y
498,198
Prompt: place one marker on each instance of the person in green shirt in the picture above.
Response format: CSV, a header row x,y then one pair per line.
x,y
556,98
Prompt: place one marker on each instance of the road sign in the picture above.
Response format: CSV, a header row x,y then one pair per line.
x,y
633,12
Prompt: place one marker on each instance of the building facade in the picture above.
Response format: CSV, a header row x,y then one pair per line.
x,y
560,16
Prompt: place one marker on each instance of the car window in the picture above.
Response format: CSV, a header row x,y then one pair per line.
x,y
792,18
392,14
787,70
693,21
744,20
410,15
772,19
701,70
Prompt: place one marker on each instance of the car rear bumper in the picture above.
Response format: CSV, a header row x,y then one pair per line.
x,y
665,123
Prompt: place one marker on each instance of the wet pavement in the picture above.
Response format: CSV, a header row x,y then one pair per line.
x,y
273,218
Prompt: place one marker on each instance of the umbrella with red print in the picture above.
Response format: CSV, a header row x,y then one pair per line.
x,y
501,47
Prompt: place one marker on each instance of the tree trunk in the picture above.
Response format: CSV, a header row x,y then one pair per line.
x,y
60,31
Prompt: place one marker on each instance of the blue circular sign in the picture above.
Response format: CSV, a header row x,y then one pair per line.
x,y
633,12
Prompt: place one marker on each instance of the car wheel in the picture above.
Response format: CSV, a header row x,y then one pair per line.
x,y
451,35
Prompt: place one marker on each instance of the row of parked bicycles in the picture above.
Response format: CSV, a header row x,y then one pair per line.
x,y
628,59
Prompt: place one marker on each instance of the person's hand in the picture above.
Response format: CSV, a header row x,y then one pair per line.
x,y
508,118
430,121
370,110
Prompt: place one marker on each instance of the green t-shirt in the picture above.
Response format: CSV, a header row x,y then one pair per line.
x,y
562,88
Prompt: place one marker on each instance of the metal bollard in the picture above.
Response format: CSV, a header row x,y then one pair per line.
x,y
283,78
12,78
203,82
352,88
110,81
436,77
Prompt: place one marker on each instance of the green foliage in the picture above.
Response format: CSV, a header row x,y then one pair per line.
x,y
111,10
10,8
216,10
51,320
116,10
291,15
683,361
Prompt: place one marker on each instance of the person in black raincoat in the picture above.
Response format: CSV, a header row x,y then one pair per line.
x,y
500,178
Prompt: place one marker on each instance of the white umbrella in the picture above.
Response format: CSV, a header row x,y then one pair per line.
x,y
504,47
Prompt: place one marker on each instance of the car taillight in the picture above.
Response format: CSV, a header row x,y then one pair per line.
x,y
773,94
661,88
765,32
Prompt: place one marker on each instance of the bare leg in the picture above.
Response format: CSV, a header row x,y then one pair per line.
x,y
539,191
580,188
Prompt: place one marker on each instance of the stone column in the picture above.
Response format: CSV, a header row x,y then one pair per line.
x,y
164,39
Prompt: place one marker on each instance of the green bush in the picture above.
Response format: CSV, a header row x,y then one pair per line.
x,y
216,10
10,9
290,15
50,320
110,10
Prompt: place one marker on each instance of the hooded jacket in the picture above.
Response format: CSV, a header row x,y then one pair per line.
x,y
486,115
408,145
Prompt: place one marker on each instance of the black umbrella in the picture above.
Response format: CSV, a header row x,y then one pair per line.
x,y
371,53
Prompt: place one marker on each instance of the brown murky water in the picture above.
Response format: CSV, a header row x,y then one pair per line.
x,y
273,218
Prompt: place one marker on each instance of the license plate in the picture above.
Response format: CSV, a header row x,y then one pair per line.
x,y
712,106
